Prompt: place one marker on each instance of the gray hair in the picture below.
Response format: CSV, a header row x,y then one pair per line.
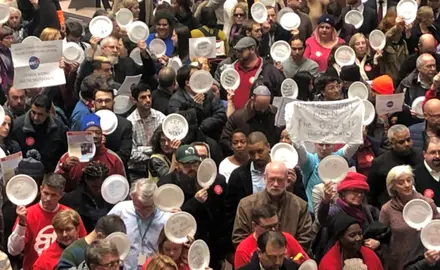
x,y
99,249
104,41
143,189
421,59
54,180
396,128
13,9
394,174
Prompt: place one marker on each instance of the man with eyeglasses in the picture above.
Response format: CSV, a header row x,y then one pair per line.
x,y
71,167
402,152
430,127
101,255
297,62
265,218
205,204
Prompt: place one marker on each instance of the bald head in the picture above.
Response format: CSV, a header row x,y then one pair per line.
x,y
275,177
276,166
432,106
167,77
427,43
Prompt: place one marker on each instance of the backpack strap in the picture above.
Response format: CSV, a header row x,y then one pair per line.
x,y
205,32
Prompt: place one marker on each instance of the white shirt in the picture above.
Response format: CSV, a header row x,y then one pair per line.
x,y
384,7
226,167
257,179
434,174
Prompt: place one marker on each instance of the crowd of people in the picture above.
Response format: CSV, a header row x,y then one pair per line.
x,y
258,213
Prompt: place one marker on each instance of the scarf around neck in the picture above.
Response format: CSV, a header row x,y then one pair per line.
x,y
353,211
398,205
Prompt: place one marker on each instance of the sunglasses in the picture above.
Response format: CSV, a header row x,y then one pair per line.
x,y
239,15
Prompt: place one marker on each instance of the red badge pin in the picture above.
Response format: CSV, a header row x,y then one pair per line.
x,y
30,141
218,189
428,193
367,68
369,158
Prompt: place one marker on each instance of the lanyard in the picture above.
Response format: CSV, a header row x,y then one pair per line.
x,y
139,223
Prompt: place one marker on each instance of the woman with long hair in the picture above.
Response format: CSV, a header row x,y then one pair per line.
x,y
304,80
50,34
184,14
180,39
368,64
6,65
239,15
8,145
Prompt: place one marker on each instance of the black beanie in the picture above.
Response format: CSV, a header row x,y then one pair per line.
x,y
32,166
341,222
350,73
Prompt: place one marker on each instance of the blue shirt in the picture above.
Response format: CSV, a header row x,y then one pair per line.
x,y
79,111
257,179
310,173
146,246
168,42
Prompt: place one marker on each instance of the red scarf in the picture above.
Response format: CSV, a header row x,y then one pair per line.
x,y
332,260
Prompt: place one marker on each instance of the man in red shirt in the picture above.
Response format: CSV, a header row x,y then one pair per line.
x,y
265,218
34,232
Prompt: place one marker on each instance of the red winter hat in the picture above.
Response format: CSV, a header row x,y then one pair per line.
x,y
354,180
383,85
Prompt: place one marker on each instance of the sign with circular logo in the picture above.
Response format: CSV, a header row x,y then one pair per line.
x,y
34,62
390,104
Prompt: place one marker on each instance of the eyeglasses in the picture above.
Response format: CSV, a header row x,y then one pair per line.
x,y
270,227
111,265
356,192
239,15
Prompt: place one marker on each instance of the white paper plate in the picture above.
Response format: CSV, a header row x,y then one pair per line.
x,y
285,153
122,104
175,126
109,121
259,12
228,7
289,88
124,17
290,21
377,40
175,63
2,115
203,47
332,168
308,265
206,173
198,255
31,40
201,81
280,51
417,213
408,10
358,89
282,12
136,56
230,79
430,235
2,153
345,56
137,31
417,107
355,18
369,112
4,13
179,226
122,243
21,190
72,52
157,47
115,189
101,26
168,197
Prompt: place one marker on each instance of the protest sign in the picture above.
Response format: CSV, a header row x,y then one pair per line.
x,y
389,103
326,121
38,64
280,103
125,88
9,165
81,145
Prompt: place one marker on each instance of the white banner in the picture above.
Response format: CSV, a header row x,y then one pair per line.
x,y
326,121
37,64
389,103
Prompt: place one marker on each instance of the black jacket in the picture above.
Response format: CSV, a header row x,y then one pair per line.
x,y
413,41
120,141
44,16
49,139
209,215
373,4
160,99
416,260
411,87
370,19
254,264
423,181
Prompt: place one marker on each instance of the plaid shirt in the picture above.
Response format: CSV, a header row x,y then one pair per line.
x,y
143,130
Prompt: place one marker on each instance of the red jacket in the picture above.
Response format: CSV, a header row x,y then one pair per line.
x,y
73,176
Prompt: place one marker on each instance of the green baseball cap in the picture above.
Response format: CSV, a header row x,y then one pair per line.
x,y
187,154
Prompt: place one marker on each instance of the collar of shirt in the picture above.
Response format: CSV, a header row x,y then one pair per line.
x,y
255,171
360,8
434,174
137,116
425,86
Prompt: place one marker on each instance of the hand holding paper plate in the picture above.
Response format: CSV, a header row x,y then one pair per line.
x,y
179,226
332,168
206,173
21,190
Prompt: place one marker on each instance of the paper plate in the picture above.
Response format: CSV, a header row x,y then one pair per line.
x,y
377,40
124,17
430,235
198,255
109,121
203,47
282,12
72,52
157,47
369,112
2,153
417,213
115,189
230,79
201,81
280,51
228,7
168,197
417,107
179,226
2,115
31,40
21,190
4,13
408,10
101,26
175,127
332,168
308,265
122,104
137,31
175,63
290,21
358,89
285,153
259,12
289,88
345,56
355,18
136,56
206,173
122,243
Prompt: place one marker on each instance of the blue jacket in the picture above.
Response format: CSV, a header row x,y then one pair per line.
x,y
80,110
417,132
